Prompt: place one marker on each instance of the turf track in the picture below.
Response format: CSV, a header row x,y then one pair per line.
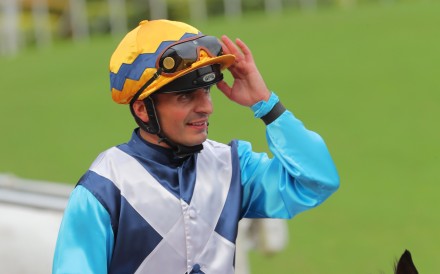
x,y
366,79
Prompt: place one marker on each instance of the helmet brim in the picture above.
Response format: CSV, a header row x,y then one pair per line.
x,y
224,61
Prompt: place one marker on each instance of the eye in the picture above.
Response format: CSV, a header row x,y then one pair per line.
x,y
183,96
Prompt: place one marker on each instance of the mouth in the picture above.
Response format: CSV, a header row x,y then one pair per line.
x,y
199,124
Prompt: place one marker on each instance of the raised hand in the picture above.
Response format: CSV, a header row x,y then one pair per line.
x,y
248,87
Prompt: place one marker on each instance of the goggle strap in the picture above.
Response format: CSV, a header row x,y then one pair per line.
x,y
139,92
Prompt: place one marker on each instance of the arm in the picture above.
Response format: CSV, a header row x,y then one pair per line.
x,y
300,176
85,239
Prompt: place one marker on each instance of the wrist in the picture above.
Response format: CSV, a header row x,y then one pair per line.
x,y
274,113
264,108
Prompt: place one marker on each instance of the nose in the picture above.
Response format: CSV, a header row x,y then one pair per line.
x,y
204,102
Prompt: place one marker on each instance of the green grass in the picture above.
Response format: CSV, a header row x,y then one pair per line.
x,y
366,79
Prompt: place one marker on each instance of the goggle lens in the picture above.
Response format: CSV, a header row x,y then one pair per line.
x,y
182,55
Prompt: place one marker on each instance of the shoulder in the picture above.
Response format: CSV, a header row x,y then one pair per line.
x,y
108,156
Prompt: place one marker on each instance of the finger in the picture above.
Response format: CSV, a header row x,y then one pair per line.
x,y
232,48
225,41
225,48
244,49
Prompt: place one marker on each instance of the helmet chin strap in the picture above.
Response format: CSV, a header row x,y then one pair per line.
x,y
180,151
153,127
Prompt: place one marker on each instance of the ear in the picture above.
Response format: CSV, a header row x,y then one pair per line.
x,y
140,110
405,264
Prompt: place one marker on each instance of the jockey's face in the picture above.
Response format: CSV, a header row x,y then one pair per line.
x,y
183,116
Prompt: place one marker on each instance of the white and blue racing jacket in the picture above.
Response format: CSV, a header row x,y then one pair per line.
x,y
138,209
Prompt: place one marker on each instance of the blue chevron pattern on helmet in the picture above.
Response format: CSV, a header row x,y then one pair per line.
x,y
143,61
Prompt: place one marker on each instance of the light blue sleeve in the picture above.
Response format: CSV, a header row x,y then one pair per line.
x,y
85,239
300,176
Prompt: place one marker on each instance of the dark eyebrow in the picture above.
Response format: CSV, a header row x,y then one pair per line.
x,y
183,92
190,91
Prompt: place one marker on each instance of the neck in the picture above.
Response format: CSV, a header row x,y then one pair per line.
x,y
153,138
180,151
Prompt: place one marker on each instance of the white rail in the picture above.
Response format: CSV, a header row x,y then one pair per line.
x,y
32,193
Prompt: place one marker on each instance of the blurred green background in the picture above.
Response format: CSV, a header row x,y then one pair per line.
x,y
365,78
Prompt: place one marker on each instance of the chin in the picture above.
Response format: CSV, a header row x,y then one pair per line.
x,y
196,141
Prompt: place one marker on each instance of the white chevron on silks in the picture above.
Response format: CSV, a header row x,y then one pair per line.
x,y
187,230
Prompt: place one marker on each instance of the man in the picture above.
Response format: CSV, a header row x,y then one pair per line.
x,y
169,200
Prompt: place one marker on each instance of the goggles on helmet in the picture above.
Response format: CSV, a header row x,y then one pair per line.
x,y
183,54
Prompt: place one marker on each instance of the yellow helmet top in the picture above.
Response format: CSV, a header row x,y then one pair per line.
x,y
136,59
